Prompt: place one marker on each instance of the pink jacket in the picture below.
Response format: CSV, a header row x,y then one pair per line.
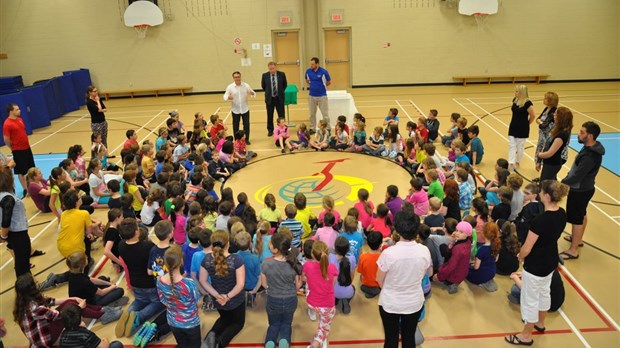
x,y
280,132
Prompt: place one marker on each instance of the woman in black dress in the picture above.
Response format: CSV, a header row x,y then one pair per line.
x,y
96,108
519,129
560,135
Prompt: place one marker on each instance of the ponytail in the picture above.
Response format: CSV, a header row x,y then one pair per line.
x,y
319,253
282,242
263,229
270,201
362,195
342,247
173,260
177,204
219,240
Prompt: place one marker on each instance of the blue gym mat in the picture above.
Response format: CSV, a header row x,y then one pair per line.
x,y
611,142
44,162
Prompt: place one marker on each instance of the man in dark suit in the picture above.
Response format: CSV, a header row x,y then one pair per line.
x,y
274,84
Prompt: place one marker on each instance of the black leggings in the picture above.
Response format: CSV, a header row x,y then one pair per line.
x,y
399,324
229,324
19,242
187,338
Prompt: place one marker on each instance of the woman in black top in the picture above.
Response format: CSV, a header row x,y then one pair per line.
x,y
559,137
519,129
545,124
96,108
540,258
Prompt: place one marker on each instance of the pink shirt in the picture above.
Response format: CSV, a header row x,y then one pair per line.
x,y
336,216
179,234
404,265
321,291
219,144
326,235
420,202
364,217
378,225
280,132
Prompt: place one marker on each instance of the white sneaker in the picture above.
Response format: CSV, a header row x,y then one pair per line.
x,y
324,343
311,314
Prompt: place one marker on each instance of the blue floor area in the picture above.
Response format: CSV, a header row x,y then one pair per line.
x,y
611,142
45,163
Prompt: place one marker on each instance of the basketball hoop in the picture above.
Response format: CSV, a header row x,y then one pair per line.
x,y
141,30
481,19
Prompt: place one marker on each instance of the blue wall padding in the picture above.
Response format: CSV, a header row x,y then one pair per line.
x,y
37,106
10,84
67,92
81,81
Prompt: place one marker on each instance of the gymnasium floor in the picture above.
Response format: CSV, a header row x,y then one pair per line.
x,y
472,317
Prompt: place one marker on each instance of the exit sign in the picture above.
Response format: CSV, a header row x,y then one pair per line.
x,y
336,17
285,19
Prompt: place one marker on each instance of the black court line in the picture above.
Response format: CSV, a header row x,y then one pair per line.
x,y
36,274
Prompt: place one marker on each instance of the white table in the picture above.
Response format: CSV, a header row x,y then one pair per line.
x,y
340,103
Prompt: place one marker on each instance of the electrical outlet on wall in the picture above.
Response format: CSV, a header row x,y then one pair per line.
x,y
169,17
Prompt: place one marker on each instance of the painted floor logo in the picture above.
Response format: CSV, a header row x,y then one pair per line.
x,y
326,182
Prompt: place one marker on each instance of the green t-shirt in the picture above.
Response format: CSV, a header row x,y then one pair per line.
x,y
435,189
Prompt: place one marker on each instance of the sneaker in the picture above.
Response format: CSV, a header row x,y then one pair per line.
x,y
283,343
104,278
453,288
283,151
270,344
110,316
489,286
137,338
290,150
513,299
119,330
248,143
346,306
312,131
49,282
120,302
311,314
149,334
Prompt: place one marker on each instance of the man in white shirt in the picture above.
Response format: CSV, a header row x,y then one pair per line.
x,y
238,92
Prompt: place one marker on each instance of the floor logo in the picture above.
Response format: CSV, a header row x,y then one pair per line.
x,y
318,185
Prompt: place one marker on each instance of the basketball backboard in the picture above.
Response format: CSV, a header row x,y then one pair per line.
x,y
143,13
470,7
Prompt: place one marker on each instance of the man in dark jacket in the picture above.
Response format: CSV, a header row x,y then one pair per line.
x,y
580,179
273,83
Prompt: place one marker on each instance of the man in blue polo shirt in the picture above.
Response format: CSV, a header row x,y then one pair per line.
x,y
318,79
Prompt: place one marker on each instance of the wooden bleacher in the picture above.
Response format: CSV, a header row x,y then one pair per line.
x,y
148,91
513,78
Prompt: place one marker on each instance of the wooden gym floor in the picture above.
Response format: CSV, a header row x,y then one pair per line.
x,y
472,317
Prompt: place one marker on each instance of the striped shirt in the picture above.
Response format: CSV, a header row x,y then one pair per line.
x,y
296,228
181,299
79,338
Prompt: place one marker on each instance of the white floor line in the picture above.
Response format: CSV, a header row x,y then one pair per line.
x,y
55,132
534,144
587,294
31,240
227,115
563,96
526,154
590,117
574,329
139,129
405,111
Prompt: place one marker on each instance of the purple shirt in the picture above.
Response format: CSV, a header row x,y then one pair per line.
x,y
395,205
37,198
339,290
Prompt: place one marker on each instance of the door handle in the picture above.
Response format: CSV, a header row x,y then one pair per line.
x,y
336,60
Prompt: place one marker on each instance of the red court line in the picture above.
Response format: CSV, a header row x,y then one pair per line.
x,y
587,300
100,267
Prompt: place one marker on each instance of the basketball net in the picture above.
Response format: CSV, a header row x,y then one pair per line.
x,y
141,30
481,19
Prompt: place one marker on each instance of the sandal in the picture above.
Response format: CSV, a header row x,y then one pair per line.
x,y
37,253
513,339
566,256
570,240
540,329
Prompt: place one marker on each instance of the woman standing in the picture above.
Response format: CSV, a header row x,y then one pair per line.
x,y
97,110
227,274
556,143
519,129
402,266
545,124
14,229
539,254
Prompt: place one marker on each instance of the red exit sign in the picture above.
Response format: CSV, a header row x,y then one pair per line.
x,y
336,17
285,19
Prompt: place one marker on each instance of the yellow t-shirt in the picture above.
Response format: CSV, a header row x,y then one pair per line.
x,y
304,216
136,205
73,223
270,215
148,167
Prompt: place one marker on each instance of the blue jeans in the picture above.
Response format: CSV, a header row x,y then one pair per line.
x,y
280,313
146,303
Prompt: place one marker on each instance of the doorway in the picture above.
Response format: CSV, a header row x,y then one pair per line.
x,y
338,57
286,49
